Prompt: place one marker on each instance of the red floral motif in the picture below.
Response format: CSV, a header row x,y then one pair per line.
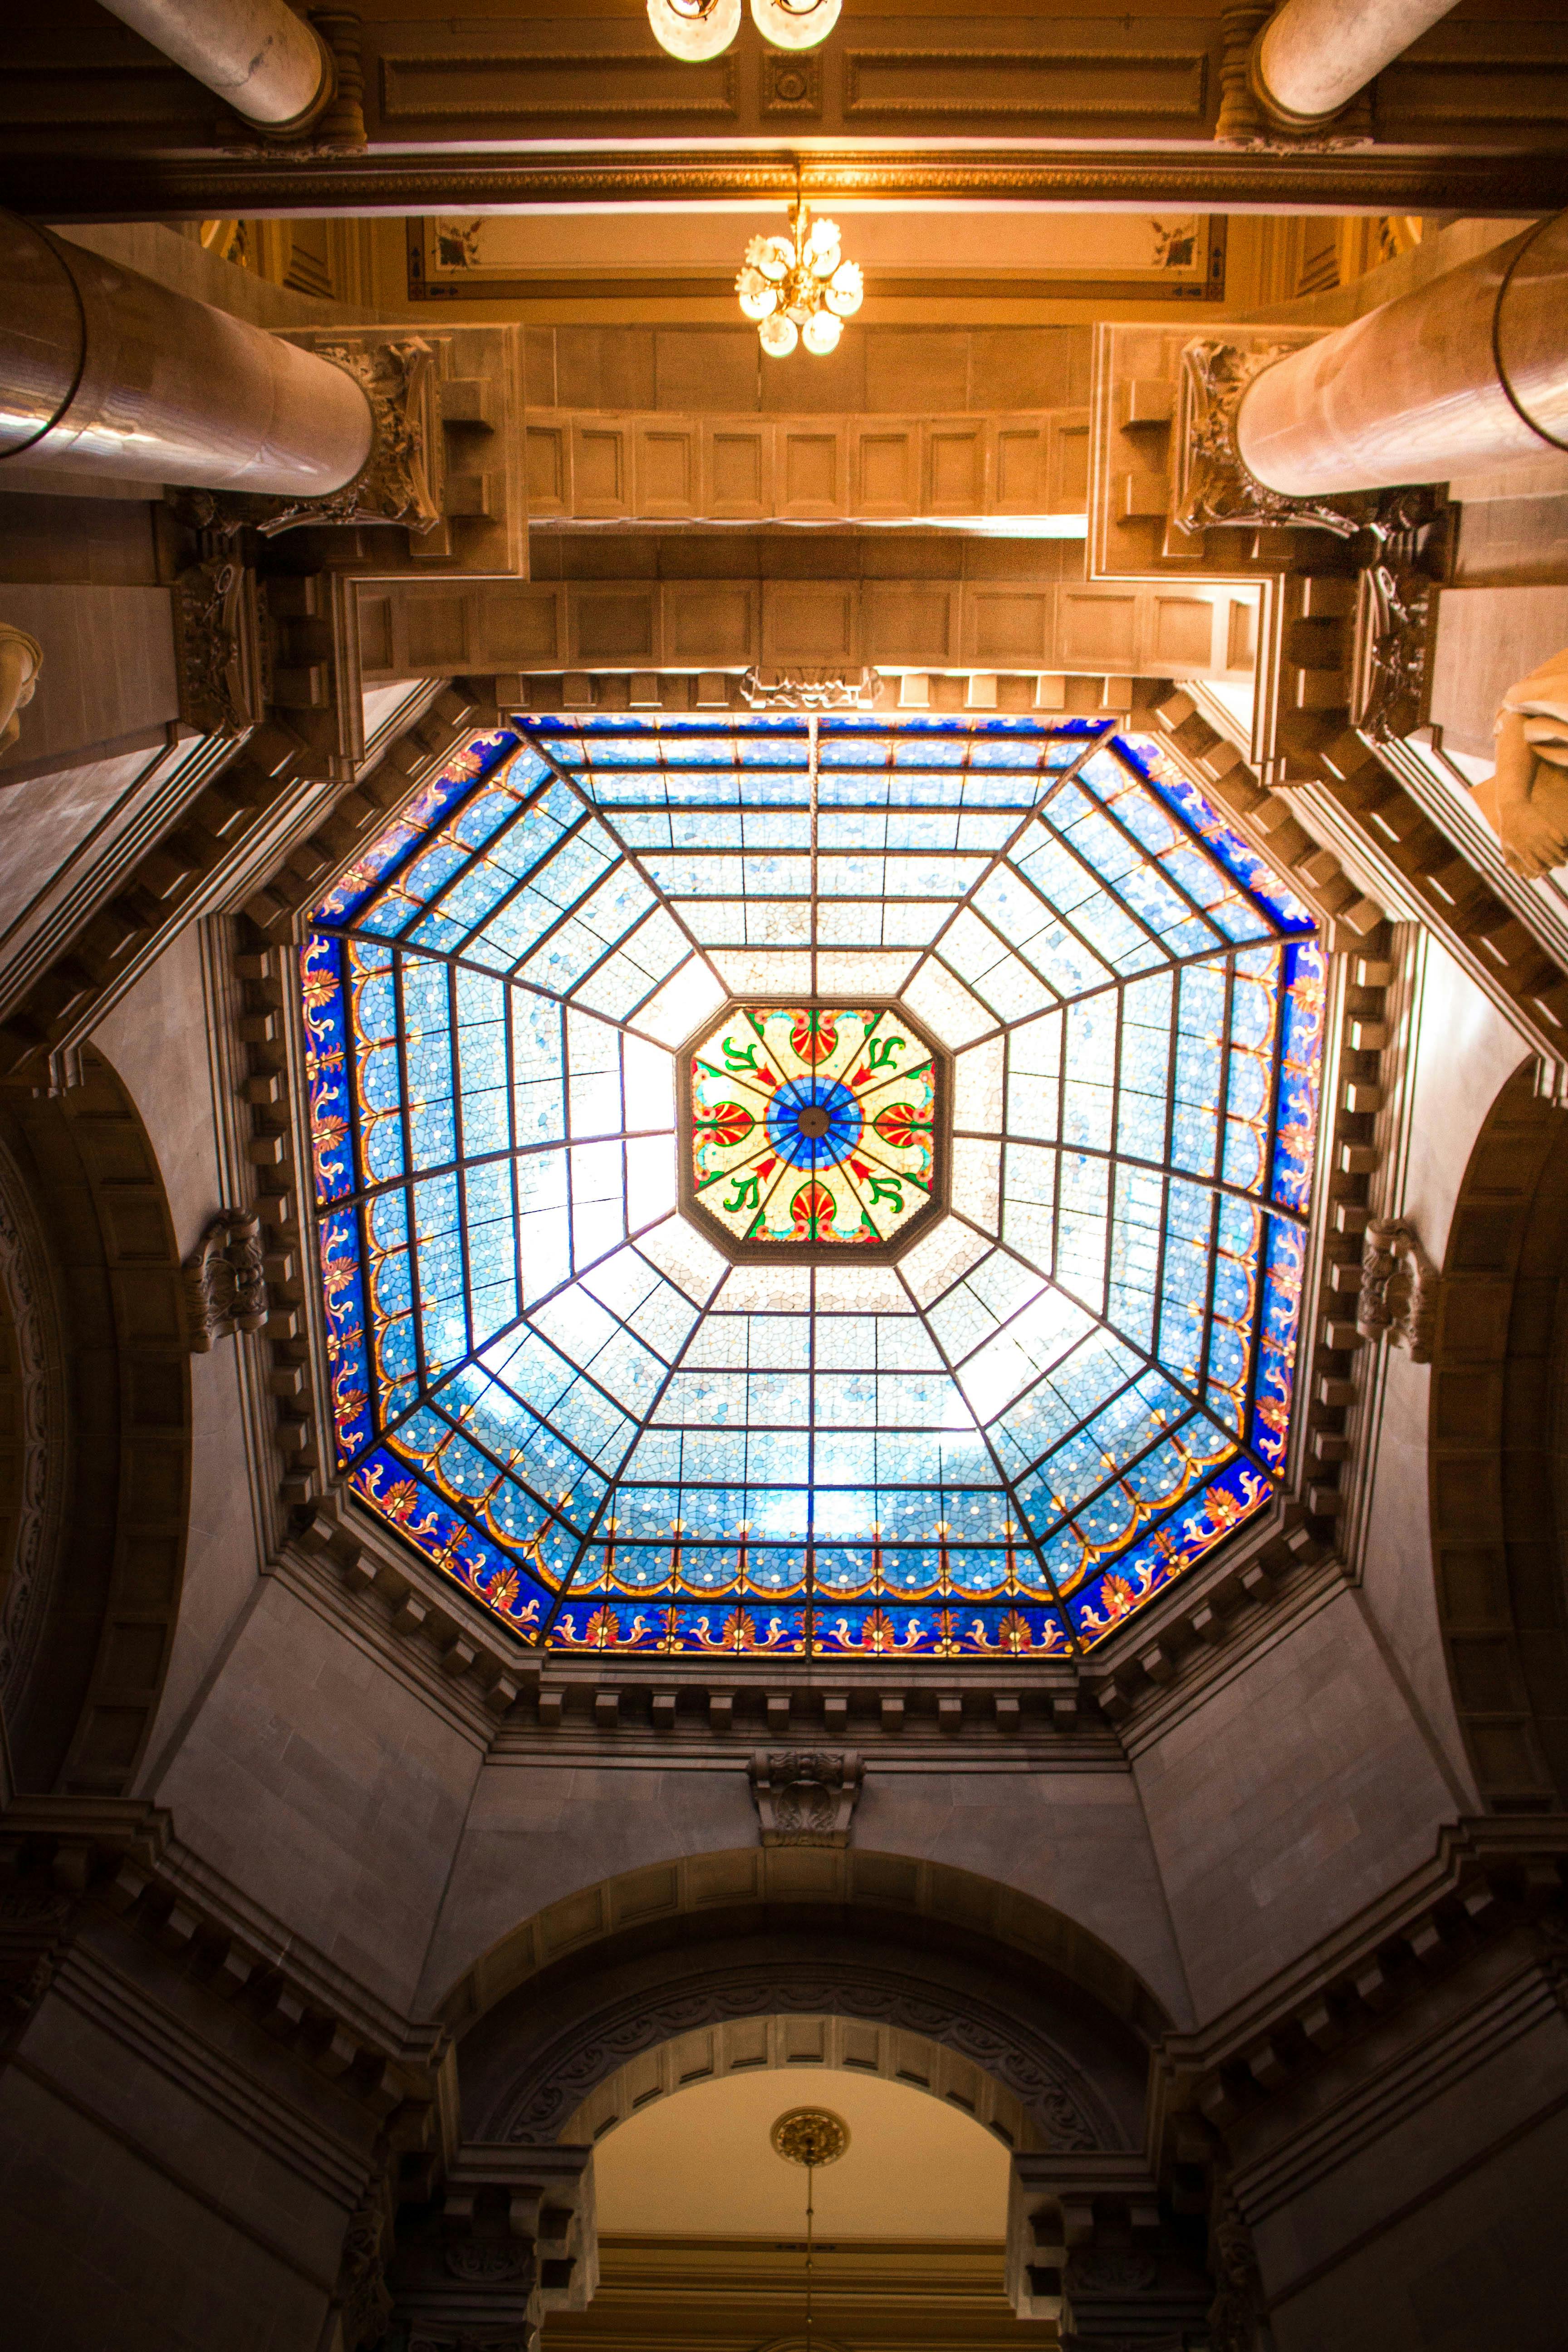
x,y
901,1124
726,1123
814,1035
812,1212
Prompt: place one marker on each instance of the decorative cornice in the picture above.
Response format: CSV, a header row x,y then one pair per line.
x,y
1197,176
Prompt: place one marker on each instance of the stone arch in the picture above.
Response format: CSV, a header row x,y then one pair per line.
x,y
993,1982
95,1435
794,2044
1499,1450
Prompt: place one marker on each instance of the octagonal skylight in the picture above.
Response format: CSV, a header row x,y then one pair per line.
x,y
1003,1437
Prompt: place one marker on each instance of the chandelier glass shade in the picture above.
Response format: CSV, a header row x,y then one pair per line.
x,y
695,30
794,23
799,287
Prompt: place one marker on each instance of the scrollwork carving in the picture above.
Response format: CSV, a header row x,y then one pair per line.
x,y
1059,2105
361,2282
805,1796
1398,1288
225,1279
771,690
219,647
1239,2316
1214,487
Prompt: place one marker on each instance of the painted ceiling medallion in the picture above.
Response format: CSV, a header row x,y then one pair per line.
x,y
813,1127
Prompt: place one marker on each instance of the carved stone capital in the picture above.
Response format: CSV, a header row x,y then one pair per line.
x,y
225,1279
1398,1288
1214,487
805,1796
1090,2246
402,479
365,2304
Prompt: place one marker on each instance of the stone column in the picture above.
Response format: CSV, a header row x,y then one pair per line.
x,y
271,65
102,371
1313,55
1468,371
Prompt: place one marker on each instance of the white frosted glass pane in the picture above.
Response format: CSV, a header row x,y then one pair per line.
x,y
977,1089
650,1178
678,1250
937,1261
860,1289
754,1288
764,971
685,999
976,1179
934,997
649,1079
866,972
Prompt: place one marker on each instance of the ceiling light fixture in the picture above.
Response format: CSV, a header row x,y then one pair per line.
x,y
794,23
812,2136
695,30
799,287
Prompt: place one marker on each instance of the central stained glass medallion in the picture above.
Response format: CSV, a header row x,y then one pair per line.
x,y
811,1127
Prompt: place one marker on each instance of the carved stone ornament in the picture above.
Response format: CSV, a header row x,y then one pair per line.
x,y
777,690
1398,1288
1062,2106
1407,546
1214,487
225,1279
365,2304
481,2261
219,647
400,481
805,1796
1239,2316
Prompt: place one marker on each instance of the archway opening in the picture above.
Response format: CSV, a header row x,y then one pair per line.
x,y
702,2233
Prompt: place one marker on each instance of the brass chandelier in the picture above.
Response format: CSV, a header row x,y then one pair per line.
x,y
799,287
695,30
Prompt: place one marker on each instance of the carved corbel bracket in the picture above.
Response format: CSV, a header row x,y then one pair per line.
x,y
220,646
805,1796
225,1279
509,2237
1398,1288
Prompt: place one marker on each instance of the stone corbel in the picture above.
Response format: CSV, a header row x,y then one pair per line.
x,y
220,646
1239,2316
1398,1288
21,659
1091,2249
805,1796
509,2238
225,1280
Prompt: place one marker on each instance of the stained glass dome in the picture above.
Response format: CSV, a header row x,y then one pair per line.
x,y
1002,1432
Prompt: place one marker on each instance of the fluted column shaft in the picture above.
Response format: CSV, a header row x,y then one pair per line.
x,y
102,369
1467,371
1313,55
267,63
